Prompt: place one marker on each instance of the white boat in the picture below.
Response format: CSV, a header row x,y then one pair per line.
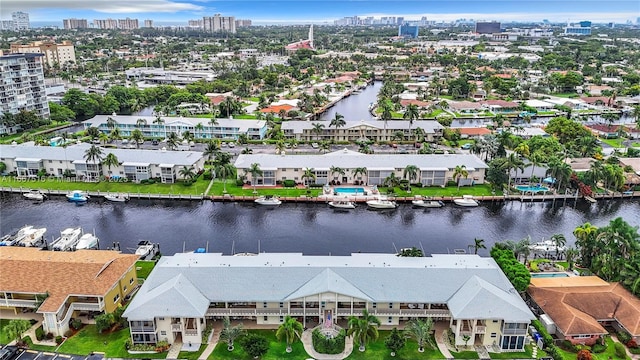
x,y
34,194
426,203
13,238
546,246
342,204
117,197
382,203
268,200
87,241
78,196
32,237
467,201
68,239
147,250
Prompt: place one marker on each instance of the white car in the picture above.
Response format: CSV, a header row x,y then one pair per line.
x,y
232,145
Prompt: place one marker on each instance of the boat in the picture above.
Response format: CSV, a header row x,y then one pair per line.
x,y
268,200
382,203
419,201
546,246
87,241
12,239
467,201
34,194
68,239
32,237
147,250
117,197
78,196
342,204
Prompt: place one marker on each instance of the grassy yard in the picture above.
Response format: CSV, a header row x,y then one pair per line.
x,y
610,353
378,351
144,268
4,337
465,355
192,355
277,349
8,139
616,143
514,355
196,188
88,340
31,346
566,95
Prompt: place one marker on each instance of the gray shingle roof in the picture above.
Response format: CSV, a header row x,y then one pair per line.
x,y
242,125
429,126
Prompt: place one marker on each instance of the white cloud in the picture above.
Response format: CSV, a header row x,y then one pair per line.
x,y
104,6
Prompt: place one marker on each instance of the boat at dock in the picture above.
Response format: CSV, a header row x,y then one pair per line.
x,y
147,250
117,197
342,204
466,201
420,201
26,236
78,196
382,203
34,194
268,200
68,239
88,242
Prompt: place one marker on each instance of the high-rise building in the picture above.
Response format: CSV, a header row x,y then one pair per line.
x,y
22,85
148,23
20,21
53,53
407,30
127,24
581,28
487,27
6,25
243,23
400,20
75,23
195,23
218,23
106,24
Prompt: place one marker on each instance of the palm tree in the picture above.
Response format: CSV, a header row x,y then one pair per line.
x,y
172,140
317,129
411,113
522,149
187,172
387,108
141,122
229,333
514,162
93,154
115,134
199,128
420,330
571,255
324,147
410,172
558,170
223,170
391,181
458,172
535,159
559,241
336,170
104,138
290,329
337,121
247,150
255,171
309,173
212,148
363,329
111,160
636,114
137,137
111,123
359,171
478,244
586,241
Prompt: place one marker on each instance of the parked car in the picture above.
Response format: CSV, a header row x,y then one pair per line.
x,y
315,145
232,145
154,142
466,146
9,353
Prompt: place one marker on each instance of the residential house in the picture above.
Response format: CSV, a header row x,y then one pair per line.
x,y
633,162
580,307
360,130
540,105
134,164
435,170
62,285
501,106
188,291
465,106
473,132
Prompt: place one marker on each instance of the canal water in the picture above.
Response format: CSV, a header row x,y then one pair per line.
x,y
356,106
312,229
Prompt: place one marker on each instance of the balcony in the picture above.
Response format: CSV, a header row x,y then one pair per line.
x,y
481,329
316,311
18,303
142,329
176,327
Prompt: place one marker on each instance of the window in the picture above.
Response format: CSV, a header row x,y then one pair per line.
x,y
264,304
390,320
494,335
163,332
390,305
374,305
131,281
161,318
583,336
495,321
116,298
265,318
281,305
125,288
281,318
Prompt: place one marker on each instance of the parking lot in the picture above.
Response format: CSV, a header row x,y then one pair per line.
x,y
13,353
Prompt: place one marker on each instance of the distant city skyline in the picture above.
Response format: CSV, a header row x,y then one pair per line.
x,y
51,12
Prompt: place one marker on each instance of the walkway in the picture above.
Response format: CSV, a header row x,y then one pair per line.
x,y
212,344
614,337
441,328
174,350
308,347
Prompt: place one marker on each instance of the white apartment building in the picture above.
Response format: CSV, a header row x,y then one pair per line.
x,y
219,23
106,24
128,24
20,21
75,23
22,84
53,53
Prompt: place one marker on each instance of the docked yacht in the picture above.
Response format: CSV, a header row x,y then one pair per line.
x,y
87,242
32,237
546,246
14,238
420,201
342,204
117,197
268,200
466,201
78,196
34,194
382,203
68,239
147,250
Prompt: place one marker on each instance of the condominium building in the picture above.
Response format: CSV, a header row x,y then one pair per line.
x,y
127,24
198,23
218,23
106,24
148,23
361,131
75,23
581,28
22,84
62,285
6,25
466,293
20,21
243,23
53,53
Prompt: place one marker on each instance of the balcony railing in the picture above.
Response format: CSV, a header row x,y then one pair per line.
x,y
176,327
317,311
143,329
514,332
481,329
18,303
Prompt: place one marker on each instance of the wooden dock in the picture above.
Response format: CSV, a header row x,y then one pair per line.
x,y
101,194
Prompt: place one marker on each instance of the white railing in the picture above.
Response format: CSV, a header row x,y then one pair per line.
x,y
79,306
316,311
481,329
176,327
19,303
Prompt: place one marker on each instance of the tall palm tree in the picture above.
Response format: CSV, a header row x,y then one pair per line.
x,y
172,140
336,170
477,245
558,241
558,170
115,134
513,161
337,121
93,155
229,333
586,242
358,171
410,172
212,148
290,329
387,108
317,129
111,160
255,171
411,113
420,330
187,172
224,170
141,122
199,128
535,159
458,172
111,123
522,149
363,329
137,137
391,181
309,173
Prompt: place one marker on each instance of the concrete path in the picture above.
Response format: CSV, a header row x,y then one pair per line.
x,y
211,346
174,350
440,331
308,347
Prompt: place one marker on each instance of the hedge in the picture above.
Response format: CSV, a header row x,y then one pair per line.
x,y
325,345
515,271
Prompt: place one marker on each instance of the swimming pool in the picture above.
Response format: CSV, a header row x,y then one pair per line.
x,y
549,275
534,189
349,190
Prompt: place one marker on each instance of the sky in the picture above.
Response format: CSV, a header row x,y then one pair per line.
x,y
51,12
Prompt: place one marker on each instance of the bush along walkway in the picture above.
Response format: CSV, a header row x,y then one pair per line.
x,y
308,347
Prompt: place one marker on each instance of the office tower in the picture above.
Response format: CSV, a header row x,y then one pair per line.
x,y
487,27
409,31
581,28
22,84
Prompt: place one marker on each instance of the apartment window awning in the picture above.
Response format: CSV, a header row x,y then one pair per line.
x,y
135,164
28,159
166,165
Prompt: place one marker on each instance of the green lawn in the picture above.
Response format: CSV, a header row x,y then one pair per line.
x,y
88,340
527,354
253,98
244,117
378,351
4,337
196,188
8,139
610,353
192,355
31,346
434,113
277,349
476,190
465,355
566,95
616,143
143,268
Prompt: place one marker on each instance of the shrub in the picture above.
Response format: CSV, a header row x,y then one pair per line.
x,y
49,336
207,175
632,344
583,355
187,183
620,351
289,183
58,340
325,345
239,182
624,336
76,324
598,348
68,333
40,333
567,345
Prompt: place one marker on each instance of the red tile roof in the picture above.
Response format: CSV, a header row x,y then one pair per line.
x,y
474,131
276,108
418,103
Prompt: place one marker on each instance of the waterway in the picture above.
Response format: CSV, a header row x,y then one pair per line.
x,y
308,228
356,106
